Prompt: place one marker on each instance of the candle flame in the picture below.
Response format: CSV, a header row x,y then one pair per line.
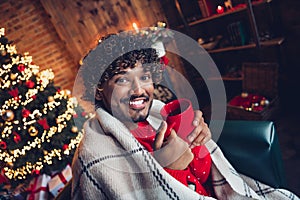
x,y
134,25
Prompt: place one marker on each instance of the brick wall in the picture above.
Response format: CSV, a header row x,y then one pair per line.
x,y
27,24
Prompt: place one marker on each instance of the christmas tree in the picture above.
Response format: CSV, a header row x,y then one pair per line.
x,y
38,133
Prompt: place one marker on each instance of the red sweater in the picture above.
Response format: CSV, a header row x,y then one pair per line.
x,y
195,175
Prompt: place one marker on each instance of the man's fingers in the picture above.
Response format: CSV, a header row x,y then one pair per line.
x,y
202,138
192,136
197,117
159,139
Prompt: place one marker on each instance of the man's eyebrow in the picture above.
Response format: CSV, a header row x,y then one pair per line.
x,y
120,72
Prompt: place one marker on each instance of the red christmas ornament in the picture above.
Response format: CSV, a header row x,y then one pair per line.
x,y
21,67
35,171
14,93
43,122
75,116
25,113
65,146
33,97
83,114
29,84
17,137
3,145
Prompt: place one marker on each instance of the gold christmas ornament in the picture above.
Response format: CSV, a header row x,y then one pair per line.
x,y
74,129
244,94
68,93
3,53
13,76
50,98
264,102
33,131
8,115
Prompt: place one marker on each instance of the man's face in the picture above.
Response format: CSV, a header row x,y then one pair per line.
x,y
128,95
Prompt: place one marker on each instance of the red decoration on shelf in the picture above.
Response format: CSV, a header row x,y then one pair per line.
x,y
17,137
3,145
29,84
43,122
21,67
251,102
220,9
25,113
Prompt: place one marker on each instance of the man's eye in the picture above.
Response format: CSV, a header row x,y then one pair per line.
x,y
146,77
121,80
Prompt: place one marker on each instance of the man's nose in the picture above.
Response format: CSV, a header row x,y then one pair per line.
x,y
137,87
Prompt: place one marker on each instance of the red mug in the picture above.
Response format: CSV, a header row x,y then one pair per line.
x,y
179,115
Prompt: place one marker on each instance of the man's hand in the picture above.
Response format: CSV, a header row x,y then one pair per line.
x,y
201,134
172,152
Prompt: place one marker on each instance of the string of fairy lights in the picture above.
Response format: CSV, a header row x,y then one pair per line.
x,y
10,80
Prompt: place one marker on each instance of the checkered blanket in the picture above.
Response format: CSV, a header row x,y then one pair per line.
x,y
111,164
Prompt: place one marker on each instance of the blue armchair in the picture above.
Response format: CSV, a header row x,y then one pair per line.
x,y
252,147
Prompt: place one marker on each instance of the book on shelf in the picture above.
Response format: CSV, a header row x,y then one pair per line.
x,y
237,33
207,8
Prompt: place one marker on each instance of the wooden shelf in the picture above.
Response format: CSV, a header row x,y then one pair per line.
x,y
268,43
224,78
230,12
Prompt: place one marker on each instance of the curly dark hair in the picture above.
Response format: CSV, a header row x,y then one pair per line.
x,y
114,53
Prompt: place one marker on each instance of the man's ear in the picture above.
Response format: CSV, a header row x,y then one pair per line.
x,y
99,95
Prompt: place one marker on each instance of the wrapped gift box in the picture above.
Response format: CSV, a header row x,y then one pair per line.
x,y
59,180
37,189
260,100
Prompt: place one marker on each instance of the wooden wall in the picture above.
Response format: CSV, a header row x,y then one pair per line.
x,y
80,23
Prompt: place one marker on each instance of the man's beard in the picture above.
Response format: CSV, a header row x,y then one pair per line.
x,y
142,118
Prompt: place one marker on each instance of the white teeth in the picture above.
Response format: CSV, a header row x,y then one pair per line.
x,y
136,102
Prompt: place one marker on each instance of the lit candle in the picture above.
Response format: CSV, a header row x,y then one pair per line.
x,y
220,9
134,25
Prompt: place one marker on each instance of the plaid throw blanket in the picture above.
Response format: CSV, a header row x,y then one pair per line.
x,y
111,164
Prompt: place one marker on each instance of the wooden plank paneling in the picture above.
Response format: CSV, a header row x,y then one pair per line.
x,y
80,23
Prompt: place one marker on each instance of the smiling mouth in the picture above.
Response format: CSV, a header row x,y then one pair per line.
x,y
137,103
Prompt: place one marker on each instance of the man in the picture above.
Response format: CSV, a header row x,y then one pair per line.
x,y
112,163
